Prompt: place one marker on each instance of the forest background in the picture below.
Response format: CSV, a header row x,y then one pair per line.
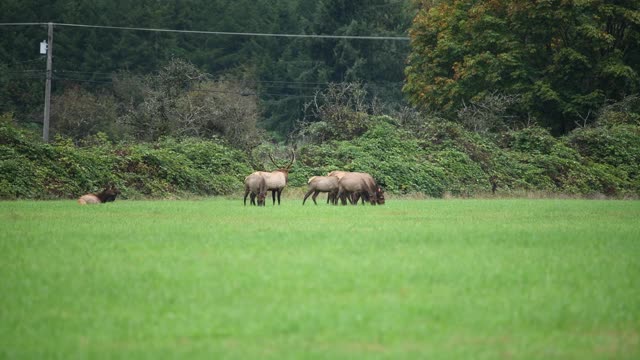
x,y
452,97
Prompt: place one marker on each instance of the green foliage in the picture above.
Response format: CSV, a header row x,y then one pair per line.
x,y
563,59
617,145
284,73
438,158
168,168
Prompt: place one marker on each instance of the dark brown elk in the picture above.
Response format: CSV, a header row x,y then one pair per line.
x,y
318,184
354,183
255,185
107,195
277,180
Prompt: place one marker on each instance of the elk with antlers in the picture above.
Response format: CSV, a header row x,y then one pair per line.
x,y
276,180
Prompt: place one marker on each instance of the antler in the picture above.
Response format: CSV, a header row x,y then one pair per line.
x,y
273,161
293,159
252,161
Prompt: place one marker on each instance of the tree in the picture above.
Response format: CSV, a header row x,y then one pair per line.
x,y
565,59
181,101
338,113
78,113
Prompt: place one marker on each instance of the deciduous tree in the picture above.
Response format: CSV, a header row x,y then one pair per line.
x,y
564,58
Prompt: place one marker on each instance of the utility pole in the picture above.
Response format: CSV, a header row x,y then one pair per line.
x,y
47,91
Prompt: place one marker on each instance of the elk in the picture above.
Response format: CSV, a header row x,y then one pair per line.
x,y
332,197
107,195
354,183
277,179
318,184
373,188
257,186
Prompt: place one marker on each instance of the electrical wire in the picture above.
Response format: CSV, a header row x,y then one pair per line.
x,y
228,33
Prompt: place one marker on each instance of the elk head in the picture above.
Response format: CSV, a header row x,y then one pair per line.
x,y
108,194
379,195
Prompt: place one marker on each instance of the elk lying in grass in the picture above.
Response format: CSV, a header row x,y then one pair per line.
x,y
255,185
107,195
277,179
318,184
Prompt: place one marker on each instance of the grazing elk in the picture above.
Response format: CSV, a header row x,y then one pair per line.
x,y
354,183
277,179
373,188
318,184
255,185
333,197
107,195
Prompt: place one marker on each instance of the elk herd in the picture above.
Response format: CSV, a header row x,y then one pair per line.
x,y
340,186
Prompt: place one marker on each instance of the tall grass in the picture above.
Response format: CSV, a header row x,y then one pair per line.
x,y
480,279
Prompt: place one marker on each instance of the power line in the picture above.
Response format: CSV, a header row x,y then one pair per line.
x,y
353,37
265,83
26,61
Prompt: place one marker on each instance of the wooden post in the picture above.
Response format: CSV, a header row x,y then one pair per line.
x,y
47,91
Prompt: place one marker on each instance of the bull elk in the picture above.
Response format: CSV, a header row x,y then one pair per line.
x,y
318,184
277,180
255,185
107,195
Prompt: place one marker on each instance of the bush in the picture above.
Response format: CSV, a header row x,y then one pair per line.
x,y
32,169
617,145
438,158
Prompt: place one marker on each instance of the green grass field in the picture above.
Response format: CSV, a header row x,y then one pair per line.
x,y
439,279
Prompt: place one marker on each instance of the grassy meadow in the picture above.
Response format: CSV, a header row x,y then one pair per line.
x,y
209,279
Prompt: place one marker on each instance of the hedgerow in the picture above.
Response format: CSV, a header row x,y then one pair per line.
x,y
167,168
437,159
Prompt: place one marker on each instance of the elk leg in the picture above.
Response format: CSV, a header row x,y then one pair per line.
x,y
253,198
246,192
306,196
273,195
332,198
342,197
315,195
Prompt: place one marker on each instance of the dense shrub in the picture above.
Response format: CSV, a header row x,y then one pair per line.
x,y
617,145
32,169
435,159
